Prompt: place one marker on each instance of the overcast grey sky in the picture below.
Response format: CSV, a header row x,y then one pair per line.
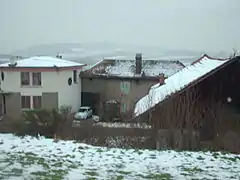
x,y
185,24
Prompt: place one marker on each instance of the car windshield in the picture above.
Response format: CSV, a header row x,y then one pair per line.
x,y
82,110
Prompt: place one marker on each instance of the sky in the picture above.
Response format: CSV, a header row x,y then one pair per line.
x,y
177,24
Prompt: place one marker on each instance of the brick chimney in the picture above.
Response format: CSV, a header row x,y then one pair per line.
x,y
161,79
138,59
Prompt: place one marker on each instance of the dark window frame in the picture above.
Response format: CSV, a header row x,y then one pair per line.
x,y
25,102
36,78
25,78
37,102
75,76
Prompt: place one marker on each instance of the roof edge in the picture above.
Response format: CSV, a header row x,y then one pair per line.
x,y
209,57
100,76
40,68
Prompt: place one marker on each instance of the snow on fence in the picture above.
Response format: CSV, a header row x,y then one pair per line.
x,y
123,125
114,135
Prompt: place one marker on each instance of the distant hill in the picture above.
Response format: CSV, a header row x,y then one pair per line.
x,y
91,53
5,58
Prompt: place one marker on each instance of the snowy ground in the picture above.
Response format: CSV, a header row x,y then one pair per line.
x,y
38,158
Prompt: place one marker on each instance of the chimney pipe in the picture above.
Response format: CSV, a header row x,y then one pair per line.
x,y
138,59
59,56
13,62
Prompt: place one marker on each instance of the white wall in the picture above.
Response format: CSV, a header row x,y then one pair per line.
x,y
51,82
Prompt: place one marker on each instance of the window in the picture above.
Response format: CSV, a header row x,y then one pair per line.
x,y
37,102
25,102
2,76
75,76
69,81
36,79
125,87
124,107
25,79
82,110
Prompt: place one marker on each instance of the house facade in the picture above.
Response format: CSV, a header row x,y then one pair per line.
x,y
124,90
39,82
124,81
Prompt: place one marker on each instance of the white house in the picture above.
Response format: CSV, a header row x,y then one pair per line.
x,y
39,82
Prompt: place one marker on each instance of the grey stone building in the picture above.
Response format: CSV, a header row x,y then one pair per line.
x,y
123,81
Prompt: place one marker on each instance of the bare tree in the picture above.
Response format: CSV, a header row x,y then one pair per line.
x,y
234,53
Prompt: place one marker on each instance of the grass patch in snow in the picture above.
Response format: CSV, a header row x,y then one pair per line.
x,y
160,176
26,161
191,171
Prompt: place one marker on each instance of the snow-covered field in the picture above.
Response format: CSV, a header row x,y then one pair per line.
x,y
40,158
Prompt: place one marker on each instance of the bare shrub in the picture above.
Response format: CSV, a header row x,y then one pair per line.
x,y
65,110
42,121
234,53
126,115
110,110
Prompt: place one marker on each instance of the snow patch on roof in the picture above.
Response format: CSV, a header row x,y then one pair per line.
x,y
88,67
43,61
149,67
176,82
126,68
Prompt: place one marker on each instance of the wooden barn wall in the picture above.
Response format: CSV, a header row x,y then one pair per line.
x,y
193,107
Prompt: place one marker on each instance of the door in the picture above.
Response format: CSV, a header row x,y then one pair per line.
x,y
91,99
2,104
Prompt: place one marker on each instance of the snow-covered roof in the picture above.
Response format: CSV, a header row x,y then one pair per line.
x,y
43,62
126,68
176,82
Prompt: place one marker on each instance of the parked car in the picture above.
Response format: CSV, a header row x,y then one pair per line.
x,y
84,112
